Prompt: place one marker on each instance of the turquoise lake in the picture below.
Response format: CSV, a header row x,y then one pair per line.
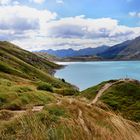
x,y
87,74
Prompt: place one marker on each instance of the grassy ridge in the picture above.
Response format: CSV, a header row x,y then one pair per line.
x,y
91,92
21,63
124,97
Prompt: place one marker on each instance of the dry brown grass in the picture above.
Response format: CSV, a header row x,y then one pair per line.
x,y
101,124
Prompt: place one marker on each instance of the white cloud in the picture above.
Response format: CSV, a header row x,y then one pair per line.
x,y
37,1
87,28
16,2
134,14
59,1
20,20
40,29
5,2
80,32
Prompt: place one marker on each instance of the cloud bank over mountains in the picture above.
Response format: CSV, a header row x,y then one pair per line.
x,y
35,29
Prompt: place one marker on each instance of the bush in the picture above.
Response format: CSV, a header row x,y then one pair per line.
x,y
63,80
45,86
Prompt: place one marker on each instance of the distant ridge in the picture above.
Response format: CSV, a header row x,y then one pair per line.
x,y
128,50
72,53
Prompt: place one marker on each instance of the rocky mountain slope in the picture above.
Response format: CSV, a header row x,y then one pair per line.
x,y
128,50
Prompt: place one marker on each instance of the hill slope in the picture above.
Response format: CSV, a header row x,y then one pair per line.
x,y
18,62
122,96
31,106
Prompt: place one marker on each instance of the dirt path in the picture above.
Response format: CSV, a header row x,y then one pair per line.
x,y
34,109
105,87
101,91
37,108
82,122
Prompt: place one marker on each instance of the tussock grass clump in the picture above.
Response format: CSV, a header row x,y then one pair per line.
x,y
45,86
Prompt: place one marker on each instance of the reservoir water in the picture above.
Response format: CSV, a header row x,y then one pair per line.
x,y
87,74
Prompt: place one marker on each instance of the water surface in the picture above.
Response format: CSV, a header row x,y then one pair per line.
x,y
87,74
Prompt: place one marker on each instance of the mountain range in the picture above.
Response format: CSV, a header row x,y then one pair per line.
x,y
72,53
128,50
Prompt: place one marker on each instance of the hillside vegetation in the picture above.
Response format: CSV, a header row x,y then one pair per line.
x,y
123,97
34,105
20,63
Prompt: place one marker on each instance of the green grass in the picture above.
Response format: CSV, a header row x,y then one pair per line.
x,y
16,97
45,86
66,91
21,63
91,92
124,97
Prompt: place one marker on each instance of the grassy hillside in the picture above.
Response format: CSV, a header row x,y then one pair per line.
x,y
22,95
67,120
91,92
123,97
48,56
32,105
20,63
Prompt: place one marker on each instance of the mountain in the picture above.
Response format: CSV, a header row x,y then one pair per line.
x,y
114,51
128,50
132,51
72,53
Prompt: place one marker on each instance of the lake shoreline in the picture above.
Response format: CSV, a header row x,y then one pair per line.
x,y
87,74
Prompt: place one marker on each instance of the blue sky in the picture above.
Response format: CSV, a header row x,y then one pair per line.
x,y
117,9
56,24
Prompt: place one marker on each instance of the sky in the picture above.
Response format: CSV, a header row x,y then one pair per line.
x,y
61,24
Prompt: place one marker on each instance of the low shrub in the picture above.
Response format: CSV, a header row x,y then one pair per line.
x,y
45,86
